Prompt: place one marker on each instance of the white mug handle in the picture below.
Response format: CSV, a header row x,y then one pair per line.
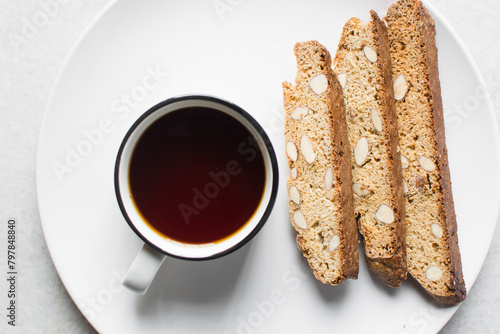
x,y
143,269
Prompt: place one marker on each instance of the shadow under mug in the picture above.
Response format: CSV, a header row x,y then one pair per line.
x,y
158,246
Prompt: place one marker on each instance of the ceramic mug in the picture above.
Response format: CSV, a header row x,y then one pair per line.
x,y
196,178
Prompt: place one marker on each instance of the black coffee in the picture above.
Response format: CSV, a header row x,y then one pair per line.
x,y
197,175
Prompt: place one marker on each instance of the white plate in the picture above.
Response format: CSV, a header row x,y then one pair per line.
x,y
240,51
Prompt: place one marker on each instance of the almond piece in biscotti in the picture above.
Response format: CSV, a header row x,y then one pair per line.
x,y
318,84
360,189
307,149
376,120
334,243
400,88
370,54
384,214
294,195
328,178
361,151
437,230
299,220
434,273
404,162
299,112
427,163
291,151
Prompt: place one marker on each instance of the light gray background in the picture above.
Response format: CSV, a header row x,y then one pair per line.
x,y
27,73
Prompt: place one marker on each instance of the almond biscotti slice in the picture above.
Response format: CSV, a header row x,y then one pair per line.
x,y
363,66
319,186
432,247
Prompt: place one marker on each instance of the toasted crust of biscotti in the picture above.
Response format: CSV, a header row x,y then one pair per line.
x,y
432,246
364,65
319,186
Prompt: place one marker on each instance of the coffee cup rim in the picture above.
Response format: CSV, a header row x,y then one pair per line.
x,y
272,169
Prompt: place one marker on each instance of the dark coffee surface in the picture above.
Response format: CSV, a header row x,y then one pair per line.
x,y
196,175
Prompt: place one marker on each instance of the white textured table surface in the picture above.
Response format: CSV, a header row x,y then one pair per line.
x,y
29,64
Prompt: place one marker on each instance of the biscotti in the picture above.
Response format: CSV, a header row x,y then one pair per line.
x,y
363,66
432,247
319,186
